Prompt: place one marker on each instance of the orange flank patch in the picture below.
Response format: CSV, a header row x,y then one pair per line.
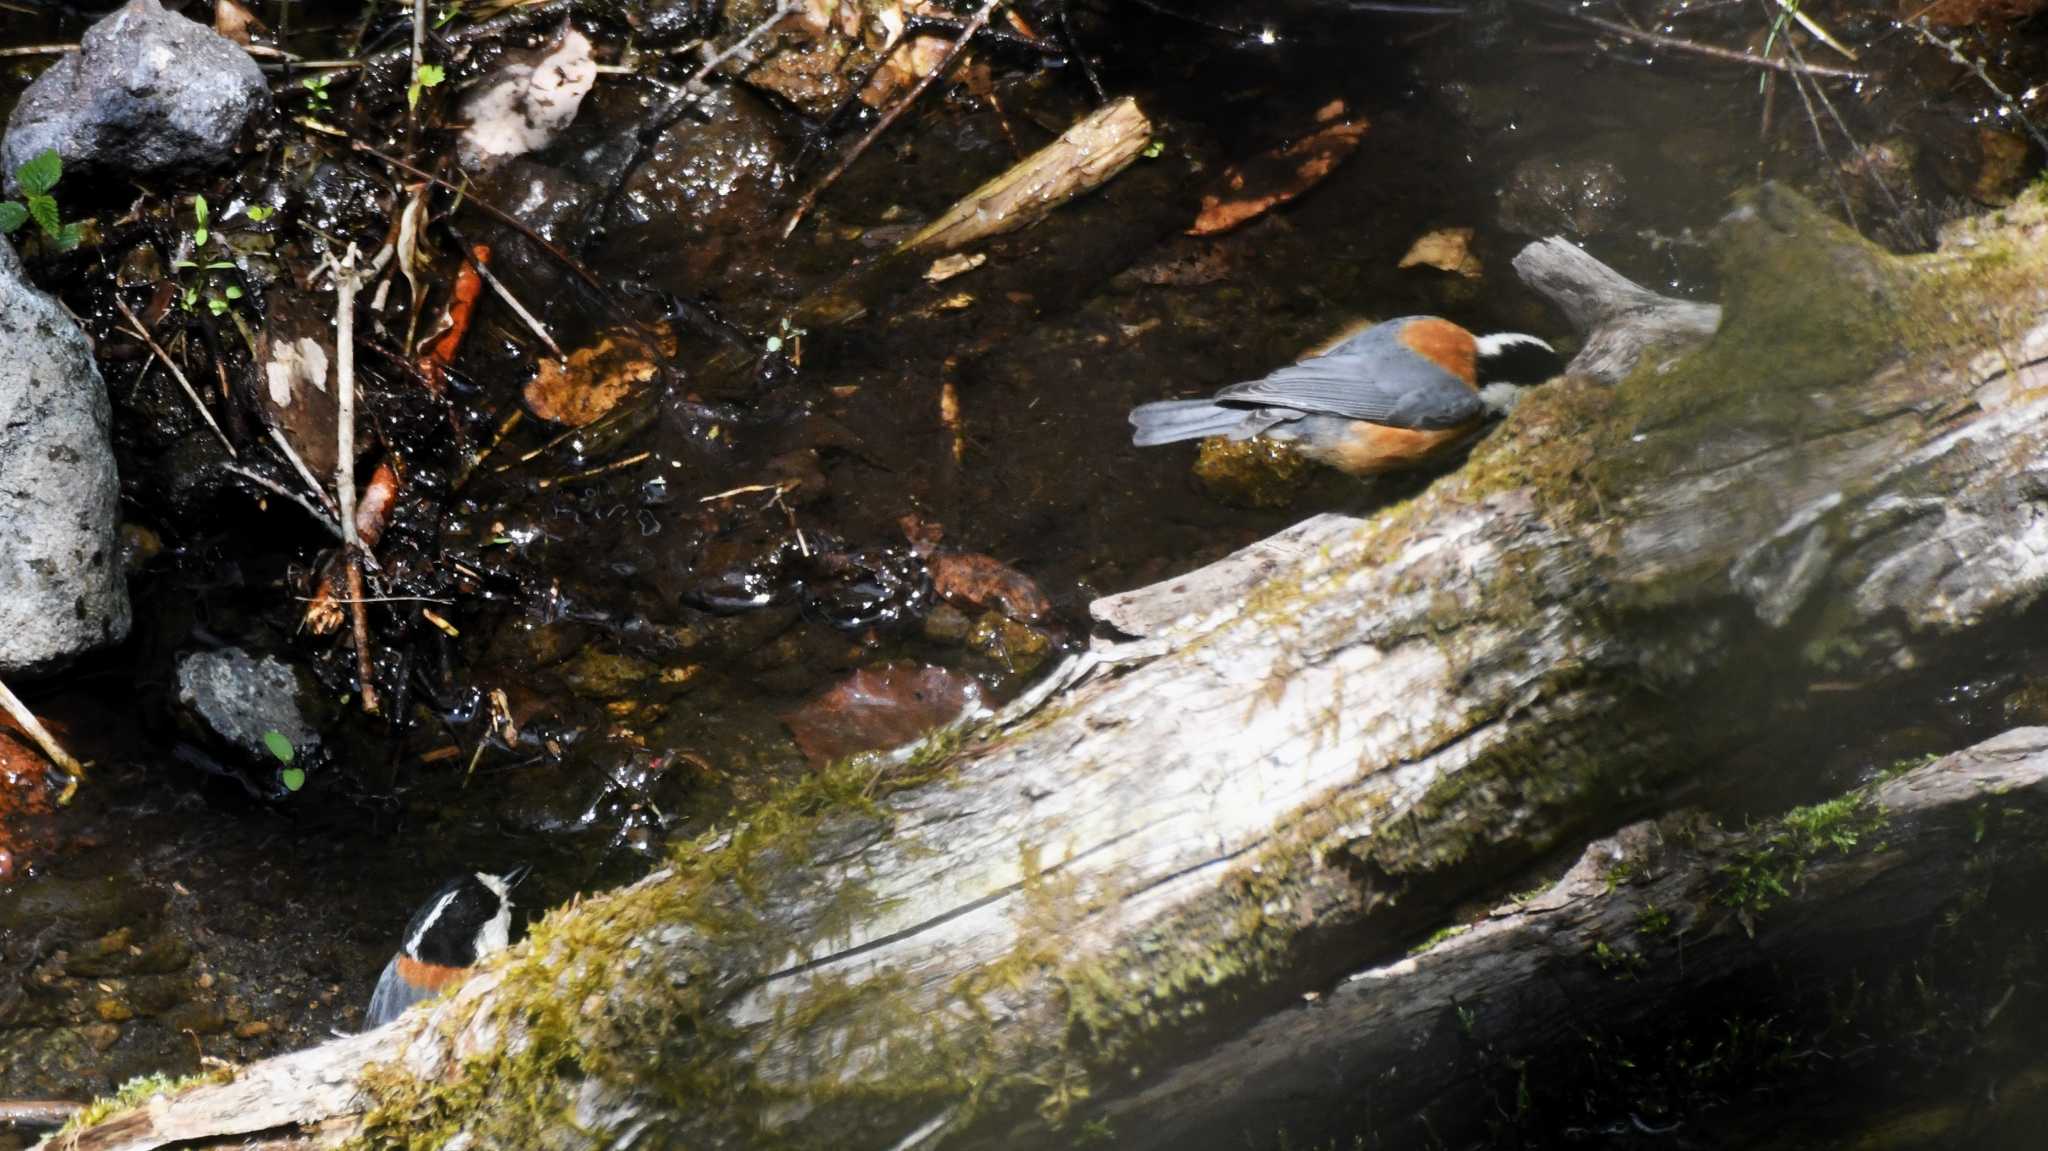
x,y
429,976
1446,344
1370,449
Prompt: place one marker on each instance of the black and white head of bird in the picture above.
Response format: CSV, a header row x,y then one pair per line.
x,y
1507,362
466,921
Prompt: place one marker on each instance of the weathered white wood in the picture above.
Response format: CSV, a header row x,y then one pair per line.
x,y
1528,976
1428,694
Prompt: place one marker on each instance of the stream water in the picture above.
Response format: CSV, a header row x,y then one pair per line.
x,y
171,916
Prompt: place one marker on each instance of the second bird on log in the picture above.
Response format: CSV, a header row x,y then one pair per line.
x,y
1394,395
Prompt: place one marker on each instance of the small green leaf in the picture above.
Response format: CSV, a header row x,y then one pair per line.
x,y
261,212
12,216
216,305
280,747
68,237
431,75
412,95
219,265
199,210
293,778
183,264
1154,150
200,236
191,298
41,173
232,292
44,209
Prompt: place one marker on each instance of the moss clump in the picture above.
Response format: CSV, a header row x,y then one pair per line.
x,y
1808,306
1783,849
1254,473
132,1094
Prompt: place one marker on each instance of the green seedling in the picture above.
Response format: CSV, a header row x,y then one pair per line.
x,y
316,91
427,76
200,233
38,179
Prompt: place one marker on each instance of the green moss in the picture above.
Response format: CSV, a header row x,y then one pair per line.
x,y
1451,931
1784,848
1254,473
135,1093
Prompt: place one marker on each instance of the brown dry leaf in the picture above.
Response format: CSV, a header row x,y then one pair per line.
x,y
877,708
295,379
946,267
1447,248
592,382
1085,157
236,22
985,582
1252,189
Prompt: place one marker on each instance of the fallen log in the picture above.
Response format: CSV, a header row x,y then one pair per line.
x,y
1643,917
1180,833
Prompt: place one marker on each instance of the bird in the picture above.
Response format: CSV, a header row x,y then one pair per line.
x,y
468,919
1381,398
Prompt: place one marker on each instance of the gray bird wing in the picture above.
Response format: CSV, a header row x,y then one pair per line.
x,y
1372,376
392,996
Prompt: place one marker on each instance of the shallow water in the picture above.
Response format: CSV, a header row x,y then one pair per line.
x,y
280,914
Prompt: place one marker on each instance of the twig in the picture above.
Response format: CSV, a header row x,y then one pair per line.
x,y
1710,51
272,486
1955,53
73,770
767,24
305,473
594,473
581,271
22,1114
177,374
504,293
345,467
39,49
1792,9
895,112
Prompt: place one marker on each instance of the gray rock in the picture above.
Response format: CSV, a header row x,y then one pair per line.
x,y
62,591
1576,196
241,698
147,92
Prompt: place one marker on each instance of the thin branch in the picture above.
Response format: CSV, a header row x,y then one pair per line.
x,y
895,112
1976,65
142,333
73,770
767,24
345,285
278,489
1710,51
504,293
305,473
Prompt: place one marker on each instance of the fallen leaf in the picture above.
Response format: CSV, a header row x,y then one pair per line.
x,y
1449,249
591,382
985,582
877,708
1252,189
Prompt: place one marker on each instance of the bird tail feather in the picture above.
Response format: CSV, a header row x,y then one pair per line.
x,y
1170,421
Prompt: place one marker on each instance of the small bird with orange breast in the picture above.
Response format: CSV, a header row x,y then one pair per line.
x,y
466,921
1391,396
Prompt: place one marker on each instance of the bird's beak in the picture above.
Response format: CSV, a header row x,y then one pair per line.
x,y
512,877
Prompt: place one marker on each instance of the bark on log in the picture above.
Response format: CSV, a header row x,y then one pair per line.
x,y
1622,582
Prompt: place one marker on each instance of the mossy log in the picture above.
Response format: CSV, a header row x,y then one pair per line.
x,y
1179,834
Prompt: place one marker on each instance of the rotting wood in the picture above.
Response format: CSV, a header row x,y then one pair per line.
x,y
1225,811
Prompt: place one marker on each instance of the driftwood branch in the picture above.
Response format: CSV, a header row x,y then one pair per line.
x,y
1283,786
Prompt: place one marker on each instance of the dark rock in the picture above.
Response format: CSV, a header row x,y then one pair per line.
x,y
242,698
705,183
1573,196
62,589
147,92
